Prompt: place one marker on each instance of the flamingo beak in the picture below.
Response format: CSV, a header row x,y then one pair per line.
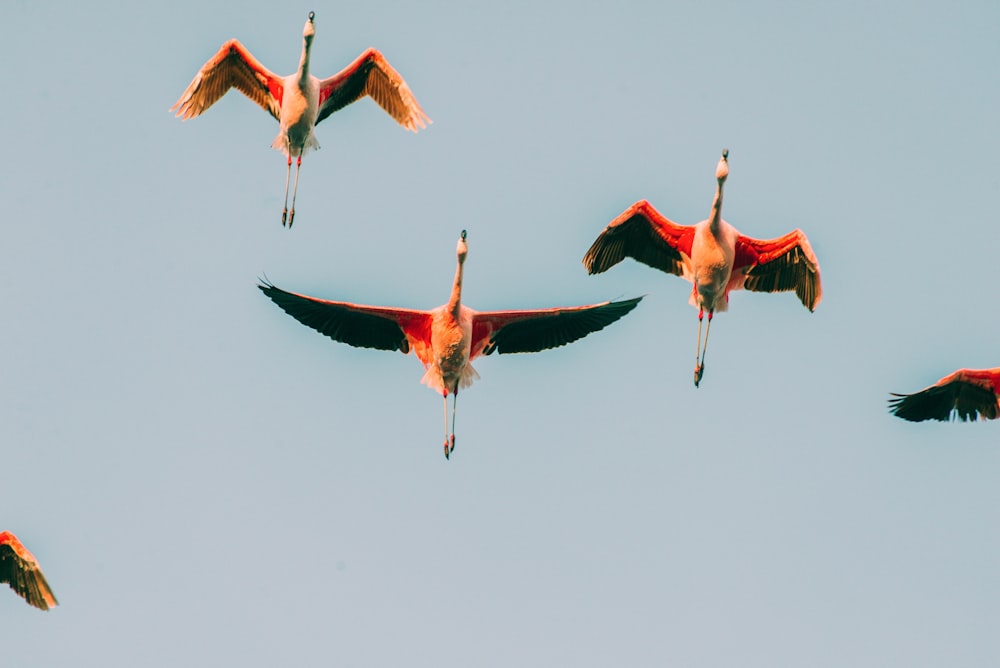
x,y
463,235
312,15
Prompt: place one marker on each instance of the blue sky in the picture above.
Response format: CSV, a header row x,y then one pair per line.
x,y
206,482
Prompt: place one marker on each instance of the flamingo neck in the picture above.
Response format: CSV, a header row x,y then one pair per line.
x,y
304,61
455,302
715,220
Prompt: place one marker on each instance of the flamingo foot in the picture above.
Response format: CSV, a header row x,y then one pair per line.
x,y
452,444
284,216
699,371
447,452
291,218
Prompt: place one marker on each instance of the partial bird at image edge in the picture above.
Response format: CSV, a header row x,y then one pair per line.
x,y
966,394
20,570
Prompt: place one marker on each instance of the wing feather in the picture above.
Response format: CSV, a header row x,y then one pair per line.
x,y
535,330
354,324
779,265
968,394
21,571
371,74
232,67
644,234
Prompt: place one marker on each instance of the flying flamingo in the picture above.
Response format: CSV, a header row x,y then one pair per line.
x,y
713,255
448,338
968,393
20,570
300,101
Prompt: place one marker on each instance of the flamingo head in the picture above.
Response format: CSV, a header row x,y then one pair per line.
x,y
462,250
722,169
309,30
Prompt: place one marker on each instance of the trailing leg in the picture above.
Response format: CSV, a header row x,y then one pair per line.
x,y
697,349
295,190
284,214
699,370
447,451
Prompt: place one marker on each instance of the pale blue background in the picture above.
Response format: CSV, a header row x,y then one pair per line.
x,y
208,483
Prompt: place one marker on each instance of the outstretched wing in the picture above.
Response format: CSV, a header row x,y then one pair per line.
x,y
20,570
641,232
371,74
777,265
231,67
355,324
969,394
531,331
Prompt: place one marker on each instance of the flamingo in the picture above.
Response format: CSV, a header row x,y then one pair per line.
x,y
20,570
300,101
968,393
448,338
713,255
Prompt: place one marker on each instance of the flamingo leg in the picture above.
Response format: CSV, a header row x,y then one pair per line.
x,y
295,190
284,214
699,370
454,406
447,453
697,349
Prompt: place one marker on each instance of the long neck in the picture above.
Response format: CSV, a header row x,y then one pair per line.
x,y
304,61
455,302
715,220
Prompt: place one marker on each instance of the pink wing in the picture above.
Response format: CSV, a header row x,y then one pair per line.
x,y
641,232
968,393
232,66
20,570
535,330
777,265
358,325
371,74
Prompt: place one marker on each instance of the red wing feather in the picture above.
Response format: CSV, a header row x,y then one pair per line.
x,y
967,394
232,67
382,328
778,265
371,74
644,234
535,330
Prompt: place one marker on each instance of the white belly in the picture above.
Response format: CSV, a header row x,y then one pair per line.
x,y
712,259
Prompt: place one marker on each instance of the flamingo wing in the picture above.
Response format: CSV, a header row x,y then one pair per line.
x,y
778,265
20,570
355,324
968,393
643,233
534,330
371,74
233,66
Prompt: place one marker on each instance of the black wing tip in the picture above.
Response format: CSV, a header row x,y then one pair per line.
x,y
597,260
522,337
40,595
928,405
917,407
598,268
901,408
626,305
267,287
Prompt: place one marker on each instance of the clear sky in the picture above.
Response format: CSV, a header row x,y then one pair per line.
x,y
206,482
